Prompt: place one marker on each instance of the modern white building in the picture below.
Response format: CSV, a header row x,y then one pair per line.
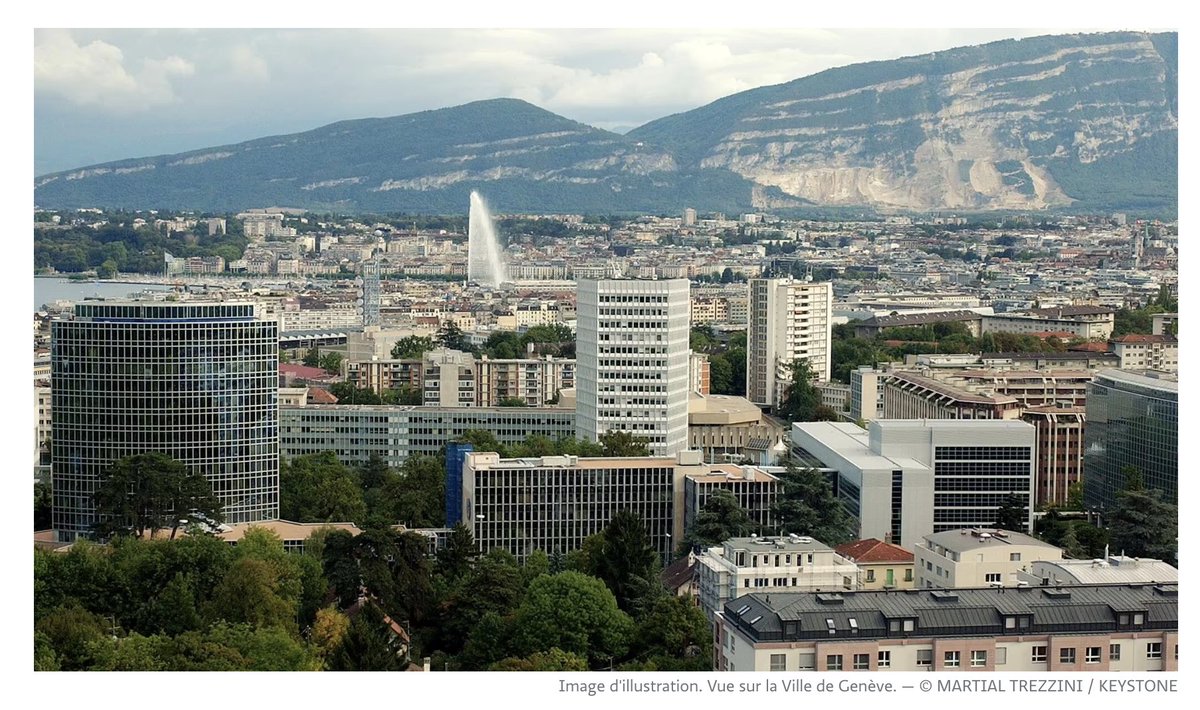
x,y
789,320
906,478
1114,569
745,565
978,557
632,361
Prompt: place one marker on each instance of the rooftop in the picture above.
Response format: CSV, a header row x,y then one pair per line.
x,y
873,550
845,615
781,543
1117,569
971,538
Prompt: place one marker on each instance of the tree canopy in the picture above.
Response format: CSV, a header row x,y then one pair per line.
x,y
148,492
807,506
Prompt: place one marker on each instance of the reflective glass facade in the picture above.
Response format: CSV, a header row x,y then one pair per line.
x,y
198,382
1132,421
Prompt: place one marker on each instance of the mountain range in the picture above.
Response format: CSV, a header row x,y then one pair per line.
x,y
1072,122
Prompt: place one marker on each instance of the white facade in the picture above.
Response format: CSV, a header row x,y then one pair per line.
x,y
978,557
632,356
746,565
788,320
887,474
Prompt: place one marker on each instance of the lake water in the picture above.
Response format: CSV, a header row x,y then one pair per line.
x,y
46,290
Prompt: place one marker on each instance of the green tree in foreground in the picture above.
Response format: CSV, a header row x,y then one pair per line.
x,y
149,492
412,348
625,561
618,443
721,518
572,612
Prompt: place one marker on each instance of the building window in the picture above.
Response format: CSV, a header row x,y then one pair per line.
x,y
1114,652
808,662
1154,650
1001,656
925,657
778,662
885,659
1091,654
1039,654
908,575
951,659
833,663
870,575
862,661
1066,655
1014,557
978,659
992,577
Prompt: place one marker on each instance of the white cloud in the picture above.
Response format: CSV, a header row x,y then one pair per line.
x,y
248,66
95,74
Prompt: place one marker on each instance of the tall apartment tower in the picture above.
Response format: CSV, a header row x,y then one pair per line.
x,y
197,381
632,361
788,319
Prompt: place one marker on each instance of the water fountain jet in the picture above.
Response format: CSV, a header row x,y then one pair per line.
x,y
485,258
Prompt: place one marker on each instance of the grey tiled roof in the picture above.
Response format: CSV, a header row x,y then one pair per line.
x,y
785,616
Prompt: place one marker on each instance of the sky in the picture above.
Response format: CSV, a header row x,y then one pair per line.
x,y
108,94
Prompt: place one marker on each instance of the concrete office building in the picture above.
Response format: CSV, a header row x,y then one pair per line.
x,y
978,557
754,488
554,503
1133,422
744,565
789,320
632,361
1115,569
904,479
1104,627
197,381
354,432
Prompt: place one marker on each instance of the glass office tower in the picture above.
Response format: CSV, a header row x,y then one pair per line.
x,y
197,381
1132,422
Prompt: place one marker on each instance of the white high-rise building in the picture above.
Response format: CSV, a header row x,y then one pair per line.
x,y
632,361
788,320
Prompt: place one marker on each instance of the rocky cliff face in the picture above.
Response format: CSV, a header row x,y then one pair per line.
x,y
988,127
1087,121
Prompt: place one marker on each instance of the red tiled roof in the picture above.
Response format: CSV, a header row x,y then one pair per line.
x,y
317,395
872,550
302,371
1136,338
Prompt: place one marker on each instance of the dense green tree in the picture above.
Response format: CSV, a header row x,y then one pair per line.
x,y
347,393
70,632
43,501
489,642
806,506
412,347
511,402
574,613
328,630
802,400
331,362
554,659
457,557
1012,513
721,518
368,645
312,357
375,472
452,337
504,345
44,657
1142,524
625,560
416,497
674,627
483,440
263,648
145,493
252,593
536,564
618,443
319,488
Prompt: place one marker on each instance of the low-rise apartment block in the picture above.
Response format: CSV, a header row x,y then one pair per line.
x,y
977,557
744,565
1128,628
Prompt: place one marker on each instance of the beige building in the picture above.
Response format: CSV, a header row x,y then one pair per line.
x,y
1086,322
729,428
1106,627
789,320
977,557
1146,352
745,565
881,565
